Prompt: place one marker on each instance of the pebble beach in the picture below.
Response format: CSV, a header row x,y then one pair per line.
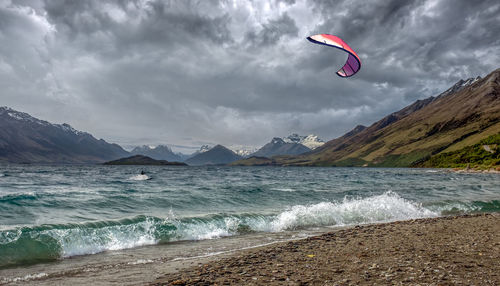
x,y
460,250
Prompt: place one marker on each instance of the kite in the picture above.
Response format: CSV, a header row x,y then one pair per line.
x,y
353,63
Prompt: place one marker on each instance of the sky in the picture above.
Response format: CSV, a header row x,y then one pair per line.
x,y
237,73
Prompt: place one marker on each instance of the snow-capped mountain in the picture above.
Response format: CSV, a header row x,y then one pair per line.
x,y
218,155
160,152
459,85
278,146
311,141
26,118
243,151
21,116
204,149
26,139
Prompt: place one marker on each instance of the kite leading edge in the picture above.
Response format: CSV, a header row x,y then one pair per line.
x,y
353,63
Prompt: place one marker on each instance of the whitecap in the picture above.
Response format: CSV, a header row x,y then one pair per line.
x,y
139,178
284,190
141,261
28,277
383,208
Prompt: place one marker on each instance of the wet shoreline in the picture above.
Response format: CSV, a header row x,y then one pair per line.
x,y
461,250
448,250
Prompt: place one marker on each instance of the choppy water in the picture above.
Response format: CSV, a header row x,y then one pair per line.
x,y
53,212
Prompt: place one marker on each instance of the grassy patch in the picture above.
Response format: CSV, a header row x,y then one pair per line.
x,y
401,160
350,162
482,155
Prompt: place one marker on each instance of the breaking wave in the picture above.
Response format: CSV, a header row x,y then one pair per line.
x,y
26,245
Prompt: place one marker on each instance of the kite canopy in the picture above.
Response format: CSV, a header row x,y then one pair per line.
x,y
353,63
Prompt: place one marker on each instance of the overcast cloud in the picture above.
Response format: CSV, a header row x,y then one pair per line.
x,y
234,72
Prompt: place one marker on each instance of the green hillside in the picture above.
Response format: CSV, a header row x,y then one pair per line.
x,y
461,116
483,155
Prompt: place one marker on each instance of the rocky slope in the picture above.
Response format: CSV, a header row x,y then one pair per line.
x,y
278,146
461,116
25,139
311,141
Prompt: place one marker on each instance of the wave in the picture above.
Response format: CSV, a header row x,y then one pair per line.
x,y
458,207
386,207
284,189
27,245
13,198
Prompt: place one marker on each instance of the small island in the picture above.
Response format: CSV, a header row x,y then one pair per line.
x,y
143,160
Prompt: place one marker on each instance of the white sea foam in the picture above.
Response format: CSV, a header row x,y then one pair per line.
x,y
27,277
382,208
201,230
141,261
284,189
455,207
79,241
386,207
17,195
139,178
89,239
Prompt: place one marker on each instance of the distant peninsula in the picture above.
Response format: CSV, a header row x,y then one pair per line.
x,y
143,160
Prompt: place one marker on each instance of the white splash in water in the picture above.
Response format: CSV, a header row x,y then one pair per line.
x,y
386,207
91,239
284,189
139,178
141,261
27,277
85,240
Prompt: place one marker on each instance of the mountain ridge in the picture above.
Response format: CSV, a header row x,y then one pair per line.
x,y
160,152
278,146
463,114
217,155
26,139
311,141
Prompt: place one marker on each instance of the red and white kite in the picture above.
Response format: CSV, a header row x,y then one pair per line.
x,y
353,63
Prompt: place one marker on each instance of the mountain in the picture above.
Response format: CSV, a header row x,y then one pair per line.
x,y
310,141
203,149
243,151
466,113
278,146
160,152
142,160
218,155
26,139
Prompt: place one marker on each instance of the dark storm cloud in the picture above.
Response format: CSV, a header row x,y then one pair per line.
x,y
272,32
408,40
234,72
137,24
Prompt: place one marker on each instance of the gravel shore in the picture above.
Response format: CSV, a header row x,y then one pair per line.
x,y
462,250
